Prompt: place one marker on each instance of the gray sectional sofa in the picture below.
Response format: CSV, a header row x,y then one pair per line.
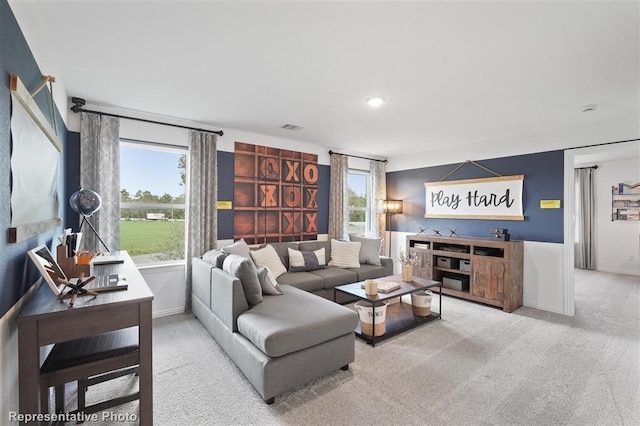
x,y
288,339
322,281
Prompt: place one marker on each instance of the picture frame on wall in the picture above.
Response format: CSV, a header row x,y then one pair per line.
x,y
35,159
497,198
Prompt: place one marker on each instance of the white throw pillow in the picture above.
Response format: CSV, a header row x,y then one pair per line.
x,y
268,257
345,254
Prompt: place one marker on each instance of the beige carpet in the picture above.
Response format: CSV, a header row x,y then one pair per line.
x,y
477,366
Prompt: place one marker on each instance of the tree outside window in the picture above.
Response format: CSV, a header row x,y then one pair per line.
x,y
152,202
358,194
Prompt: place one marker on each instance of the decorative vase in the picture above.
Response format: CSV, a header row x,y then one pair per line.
x,y
407,272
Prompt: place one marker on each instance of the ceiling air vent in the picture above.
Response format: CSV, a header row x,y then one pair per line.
x,y
292,127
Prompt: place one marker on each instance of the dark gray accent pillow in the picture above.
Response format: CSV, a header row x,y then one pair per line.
x,y
369,249
303,261
215,257
239,247
244,269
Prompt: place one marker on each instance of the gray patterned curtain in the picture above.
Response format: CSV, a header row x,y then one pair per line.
x,y
202,199
100,172
338,199
585,253
378,173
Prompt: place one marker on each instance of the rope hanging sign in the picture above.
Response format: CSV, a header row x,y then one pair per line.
x,y
498,197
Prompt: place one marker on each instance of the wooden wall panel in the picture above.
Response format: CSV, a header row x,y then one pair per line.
x,y
275,194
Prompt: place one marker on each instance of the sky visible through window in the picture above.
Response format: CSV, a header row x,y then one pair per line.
x,y
148,170
157,172
358,183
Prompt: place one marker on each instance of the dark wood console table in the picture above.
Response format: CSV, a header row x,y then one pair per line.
x,y
45,320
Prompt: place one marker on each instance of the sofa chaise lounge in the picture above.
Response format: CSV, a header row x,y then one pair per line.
x,y
288,339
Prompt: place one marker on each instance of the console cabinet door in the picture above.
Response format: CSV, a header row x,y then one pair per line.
x,y
489,277
423,269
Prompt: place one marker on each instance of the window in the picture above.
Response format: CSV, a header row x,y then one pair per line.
x,y
358,202
152,202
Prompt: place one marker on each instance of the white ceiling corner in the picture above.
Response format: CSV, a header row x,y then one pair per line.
x,y
454,74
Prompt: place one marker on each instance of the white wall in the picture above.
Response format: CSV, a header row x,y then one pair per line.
x,y
543,286
598,129
617,242
9,362
148,132
167,283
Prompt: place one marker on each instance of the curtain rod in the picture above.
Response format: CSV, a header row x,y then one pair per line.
x,y
356,156
590,167
79,103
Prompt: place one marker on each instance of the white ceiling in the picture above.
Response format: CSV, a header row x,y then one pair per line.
x,y
453,73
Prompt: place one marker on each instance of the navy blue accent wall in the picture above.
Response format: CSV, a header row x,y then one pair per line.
x,y
225,193
324,174
72,179
543,180
16,273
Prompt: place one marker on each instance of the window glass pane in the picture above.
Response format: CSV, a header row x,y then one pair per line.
x,y
357,190
152,203
358,199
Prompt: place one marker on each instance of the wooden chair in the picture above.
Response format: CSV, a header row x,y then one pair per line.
x,y
89,361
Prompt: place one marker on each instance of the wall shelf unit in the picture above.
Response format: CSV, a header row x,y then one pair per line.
x,y
625,202
478,269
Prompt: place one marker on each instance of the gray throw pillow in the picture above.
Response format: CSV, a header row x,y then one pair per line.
x,y
268,282
239,247
369,249
244,269
215,257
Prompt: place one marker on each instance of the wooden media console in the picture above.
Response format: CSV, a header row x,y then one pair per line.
x,y
478,269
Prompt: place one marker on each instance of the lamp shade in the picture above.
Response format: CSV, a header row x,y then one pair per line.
x,y
392,206
85,202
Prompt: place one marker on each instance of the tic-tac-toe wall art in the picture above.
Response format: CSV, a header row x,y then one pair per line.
x,y
275,194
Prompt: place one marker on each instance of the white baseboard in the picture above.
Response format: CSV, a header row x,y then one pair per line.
x,y
619,271
543,307
167,312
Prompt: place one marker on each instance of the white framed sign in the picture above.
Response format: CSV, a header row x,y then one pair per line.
x,y
487,198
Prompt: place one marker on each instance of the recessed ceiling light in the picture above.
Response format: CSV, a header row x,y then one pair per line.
x,y
375,102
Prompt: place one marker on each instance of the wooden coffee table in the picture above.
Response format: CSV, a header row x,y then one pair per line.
x,y
399,316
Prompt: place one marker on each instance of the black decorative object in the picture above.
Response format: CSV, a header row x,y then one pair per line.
x,y
423,230
87,202
501,234
452,232
437,232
